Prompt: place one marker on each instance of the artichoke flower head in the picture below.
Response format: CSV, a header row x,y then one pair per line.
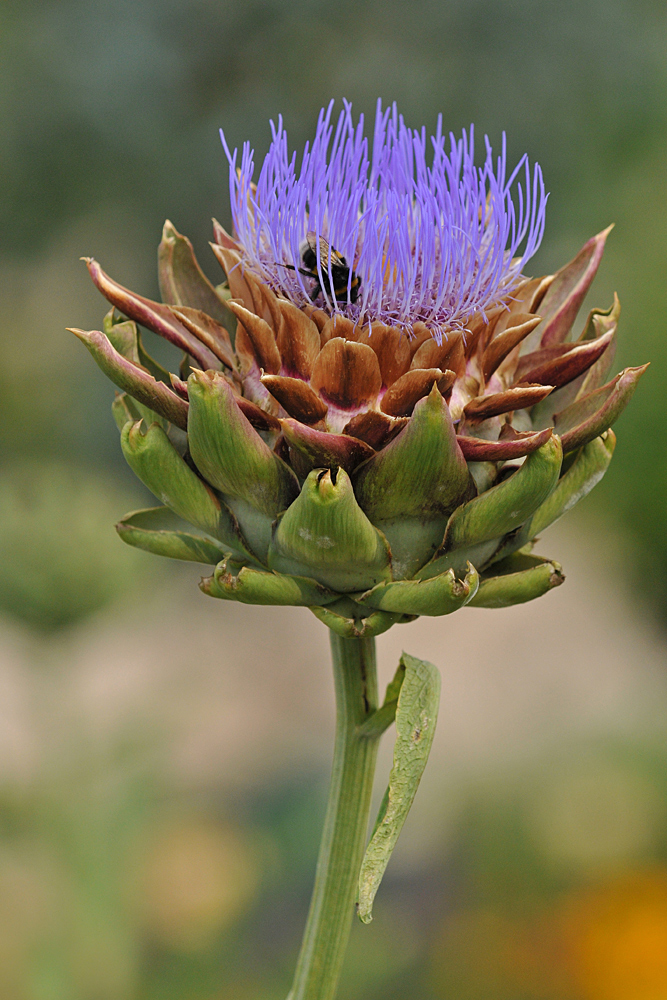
x,y
376,412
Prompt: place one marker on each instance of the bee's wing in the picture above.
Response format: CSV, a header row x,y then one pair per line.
x,y
326,251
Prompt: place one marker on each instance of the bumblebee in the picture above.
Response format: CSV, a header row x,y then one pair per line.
x,y
340,270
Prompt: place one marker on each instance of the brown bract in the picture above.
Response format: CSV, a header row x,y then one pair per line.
x,y
347,374
400,399
329,391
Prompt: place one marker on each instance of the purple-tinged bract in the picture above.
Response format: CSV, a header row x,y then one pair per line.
x,y
431,236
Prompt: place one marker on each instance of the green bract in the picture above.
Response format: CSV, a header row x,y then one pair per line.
x,y
369,473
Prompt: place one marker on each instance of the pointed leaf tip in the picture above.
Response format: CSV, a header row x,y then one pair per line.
x,y
590,415
154,315
137,382
568,290
182,281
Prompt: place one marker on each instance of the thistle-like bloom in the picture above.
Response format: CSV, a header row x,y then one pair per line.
x,y
376,413
430,236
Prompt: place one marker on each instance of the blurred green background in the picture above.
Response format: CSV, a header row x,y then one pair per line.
x,y
163,760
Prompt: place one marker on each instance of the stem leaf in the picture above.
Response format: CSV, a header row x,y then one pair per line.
x,y
376,723
395,684
416,715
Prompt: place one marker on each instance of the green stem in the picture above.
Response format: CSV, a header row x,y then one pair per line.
x,y
346,823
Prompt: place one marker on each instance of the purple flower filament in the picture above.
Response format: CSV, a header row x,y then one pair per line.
x,y
432,241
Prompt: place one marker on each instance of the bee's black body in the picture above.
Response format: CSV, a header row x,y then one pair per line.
x,y
340,271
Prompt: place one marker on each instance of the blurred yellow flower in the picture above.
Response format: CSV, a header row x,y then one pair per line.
x,y
616,937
